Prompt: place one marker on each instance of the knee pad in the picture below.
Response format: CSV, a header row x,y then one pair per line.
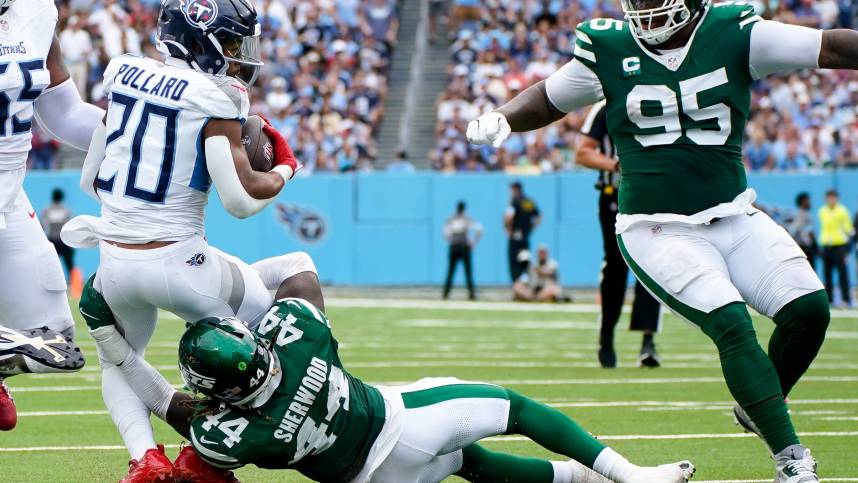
x,y
729,326
810,313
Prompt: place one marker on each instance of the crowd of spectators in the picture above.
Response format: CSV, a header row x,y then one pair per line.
x,y
323,84
799,122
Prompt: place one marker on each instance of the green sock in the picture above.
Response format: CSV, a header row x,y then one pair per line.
x,y
750,374
483,466
800,331
551,429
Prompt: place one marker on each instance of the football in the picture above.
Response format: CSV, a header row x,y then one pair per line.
x,y
260,149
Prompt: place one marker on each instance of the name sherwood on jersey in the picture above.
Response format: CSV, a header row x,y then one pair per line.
x,y
13,49
311,384
167,87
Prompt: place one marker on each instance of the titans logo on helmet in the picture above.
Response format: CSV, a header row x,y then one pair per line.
x,y
200,11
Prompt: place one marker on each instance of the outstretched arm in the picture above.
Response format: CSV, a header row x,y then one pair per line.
x,y
839,49
60,110
572,87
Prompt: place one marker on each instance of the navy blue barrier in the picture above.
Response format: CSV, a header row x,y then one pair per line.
x,y
382,229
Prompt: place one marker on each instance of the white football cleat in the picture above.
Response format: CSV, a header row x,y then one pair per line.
x,y
671,473
795,465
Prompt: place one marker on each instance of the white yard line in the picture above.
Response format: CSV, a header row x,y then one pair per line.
x,y
769,480
619,437
691,405
636,437
494,306
521,382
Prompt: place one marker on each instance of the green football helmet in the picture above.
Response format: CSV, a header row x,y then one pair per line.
x,y
221,358
655,21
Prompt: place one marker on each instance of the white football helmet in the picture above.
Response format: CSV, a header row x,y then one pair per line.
x,y
655,21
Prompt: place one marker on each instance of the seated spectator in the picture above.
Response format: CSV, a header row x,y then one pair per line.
x,y
540,280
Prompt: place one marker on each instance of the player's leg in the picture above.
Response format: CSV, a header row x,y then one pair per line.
x,y
443,416
452,263
827,269
680,266
612,283
773,275
646,317
841,252
469,274
292,275
34,310
136,319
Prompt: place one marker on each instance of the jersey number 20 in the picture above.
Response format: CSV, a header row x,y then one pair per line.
x,y
170,116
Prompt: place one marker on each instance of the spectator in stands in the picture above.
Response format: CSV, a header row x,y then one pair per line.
x,y
400,164
436,16
463,234
76,45
43,151
836,230
801,228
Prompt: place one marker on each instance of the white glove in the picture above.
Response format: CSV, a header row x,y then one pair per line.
x,y
491,127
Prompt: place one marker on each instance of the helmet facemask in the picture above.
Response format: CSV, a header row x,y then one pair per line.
x,y
245,52
655,21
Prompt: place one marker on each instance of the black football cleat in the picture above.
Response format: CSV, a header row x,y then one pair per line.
x,y
607,357
40,350
649,357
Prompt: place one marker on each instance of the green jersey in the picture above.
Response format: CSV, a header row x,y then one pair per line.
x,y
676,118
319,419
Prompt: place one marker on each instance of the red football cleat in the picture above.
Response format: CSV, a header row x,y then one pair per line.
x,y
155,466
8,413
190,468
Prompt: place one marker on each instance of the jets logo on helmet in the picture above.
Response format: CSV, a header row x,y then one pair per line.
x,y
195,379
200,12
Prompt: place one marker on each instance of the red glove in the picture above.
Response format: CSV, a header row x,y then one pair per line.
x,y
283,155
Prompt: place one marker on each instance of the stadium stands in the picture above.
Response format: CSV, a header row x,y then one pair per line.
x,y
799,122
325,77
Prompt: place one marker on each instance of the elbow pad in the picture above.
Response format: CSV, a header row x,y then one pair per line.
x,y
65,117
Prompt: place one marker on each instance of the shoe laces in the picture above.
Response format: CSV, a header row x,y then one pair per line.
x,y
4,390
803,467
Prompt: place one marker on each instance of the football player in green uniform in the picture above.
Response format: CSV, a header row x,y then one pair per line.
x,y
278,397
676,77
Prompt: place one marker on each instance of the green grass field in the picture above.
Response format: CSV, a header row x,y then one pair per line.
x,y
681,411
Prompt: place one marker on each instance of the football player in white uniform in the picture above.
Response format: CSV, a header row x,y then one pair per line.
x,y
173,128
36,326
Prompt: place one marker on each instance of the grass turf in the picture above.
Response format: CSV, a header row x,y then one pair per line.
x,y
549,356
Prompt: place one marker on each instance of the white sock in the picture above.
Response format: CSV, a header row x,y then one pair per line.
x,y
614,466
273,271
572,471
129,414
146,382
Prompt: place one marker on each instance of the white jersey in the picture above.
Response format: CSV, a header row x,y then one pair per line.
x,y
26,34
153,182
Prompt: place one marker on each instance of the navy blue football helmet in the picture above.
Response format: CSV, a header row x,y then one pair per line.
x,y
211,34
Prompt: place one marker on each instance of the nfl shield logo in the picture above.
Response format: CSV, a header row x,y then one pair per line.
x,y
200,12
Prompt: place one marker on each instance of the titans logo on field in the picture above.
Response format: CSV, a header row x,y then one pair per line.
x,y
200,11
302,222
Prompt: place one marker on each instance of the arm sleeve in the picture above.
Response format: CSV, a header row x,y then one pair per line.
x,y
778,47
232,194
596,124
65,117
94,158
573,86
